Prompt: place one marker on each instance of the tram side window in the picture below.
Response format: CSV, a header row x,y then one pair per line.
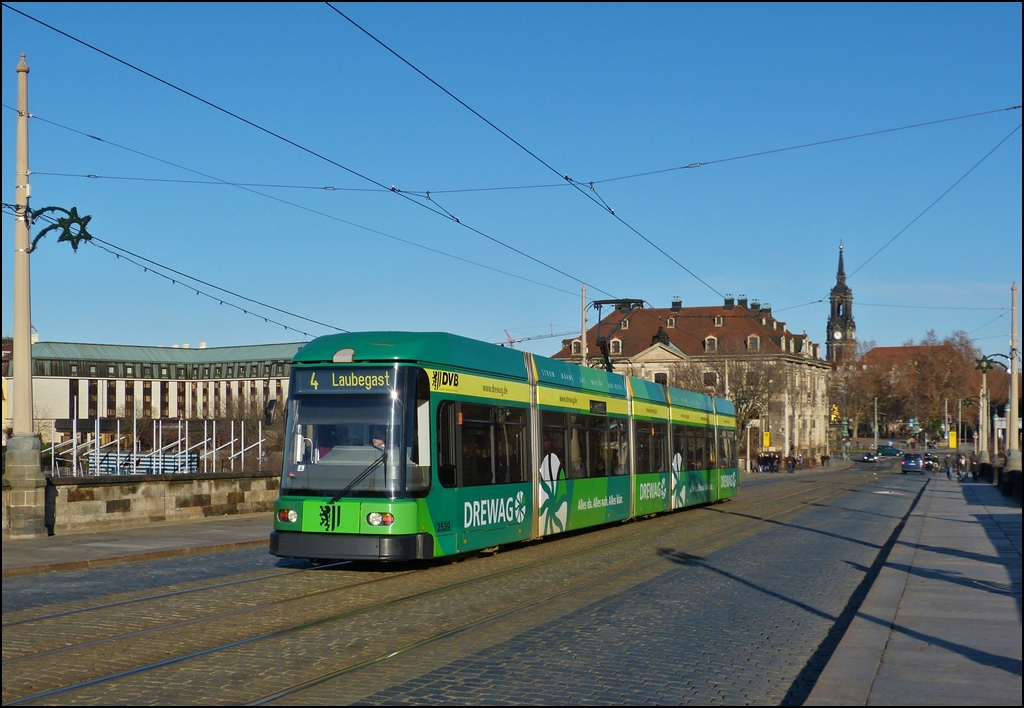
x,y
727,449
552,464
588,447
446,444
494,445
695,448
709,451
477,452
659,447
679,452
618,443
643,444
510,459
599,460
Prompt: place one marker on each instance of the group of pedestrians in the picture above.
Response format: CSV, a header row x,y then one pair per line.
x,y
961,466
772,462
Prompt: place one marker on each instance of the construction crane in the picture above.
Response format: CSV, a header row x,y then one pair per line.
x,y
513,341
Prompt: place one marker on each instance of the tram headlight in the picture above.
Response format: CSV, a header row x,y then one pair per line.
x,y
288,516
377,518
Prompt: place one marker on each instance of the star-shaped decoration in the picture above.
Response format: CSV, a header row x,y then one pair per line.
x,y
72,227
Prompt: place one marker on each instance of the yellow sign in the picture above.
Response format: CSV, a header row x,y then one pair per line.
x,y
479,386
579,400
687,416
952,439
767,442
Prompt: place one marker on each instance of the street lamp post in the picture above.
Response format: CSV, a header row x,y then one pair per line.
x,y
24,475
1013,461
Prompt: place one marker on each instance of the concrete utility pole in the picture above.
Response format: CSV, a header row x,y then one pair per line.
x,y
1013,463
24,476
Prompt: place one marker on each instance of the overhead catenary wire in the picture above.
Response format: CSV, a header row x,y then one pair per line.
x,y
916,218
424,203
150,266
247,188
580,186
937,200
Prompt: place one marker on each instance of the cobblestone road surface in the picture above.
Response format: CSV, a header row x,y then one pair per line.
x,y
712,605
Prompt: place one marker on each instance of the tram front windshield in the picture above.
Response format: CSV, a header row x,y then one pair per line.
x,y
354,445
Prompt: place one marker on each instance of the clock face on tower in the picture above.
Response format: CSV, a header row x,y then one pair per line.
x,y
837,335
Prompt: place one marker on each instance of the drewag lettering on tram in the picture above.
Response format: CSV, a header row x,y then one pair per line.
x,y
727,480
653,490
486,512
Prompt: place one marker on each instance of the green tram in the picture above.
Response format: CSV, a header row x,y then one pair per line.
x,y
405,445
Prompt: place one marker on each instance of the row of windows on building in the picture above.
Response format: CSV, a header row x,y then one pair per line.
x,y
710,344
120,370
156,399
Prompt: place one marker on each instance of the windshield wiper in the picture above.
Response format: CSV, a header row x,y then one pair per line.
x,y
362,475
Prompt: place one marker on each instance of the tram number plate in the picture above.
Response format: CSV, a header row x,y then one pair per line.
x,y
443,526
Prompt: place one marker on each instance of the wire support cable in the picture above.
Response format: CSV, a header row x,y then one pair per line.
x,y
150,266
424,203
247,188
581,187
937,200
916,218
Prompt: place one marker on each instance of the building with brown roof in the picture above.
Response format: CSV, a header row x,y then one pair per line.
x,y
737,350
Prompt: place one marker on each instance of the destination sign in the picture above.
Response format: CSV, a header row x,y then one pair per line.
x,y
334,381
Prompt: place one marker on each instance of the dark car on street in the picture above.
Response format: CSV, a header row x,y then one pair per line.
x,y
889,451
869,457
912,462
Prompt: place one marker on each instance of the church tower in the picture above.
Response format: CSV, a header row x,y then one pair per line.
x,y
842,331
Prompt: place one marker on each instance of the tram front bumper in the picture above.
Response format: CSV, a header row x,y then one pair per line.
x,y
339,546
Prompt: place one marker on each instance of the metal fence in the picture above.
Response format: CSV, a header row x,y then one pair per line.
x,y
178,447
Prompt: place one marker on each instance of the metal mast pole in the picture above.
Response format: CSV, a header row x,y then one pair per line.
x,y
583,329
1013,463
24,474
876,425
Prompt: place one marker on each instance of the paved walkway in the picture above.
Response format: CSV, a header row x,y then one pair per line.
x,y
941,624
158,540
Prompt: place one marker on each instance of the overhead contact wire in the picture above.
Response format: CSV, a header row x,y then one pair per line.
x,y
309,151
580,187
247,188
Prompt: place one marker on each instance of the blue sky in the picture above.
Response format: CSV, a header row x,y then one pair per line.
x,y
595,91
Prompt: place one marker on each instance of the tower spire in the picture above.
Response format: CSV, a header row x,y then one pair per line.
x,y
841,274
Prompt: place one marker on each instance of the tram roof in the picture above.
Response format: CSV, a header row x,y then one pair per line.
x,y
439,348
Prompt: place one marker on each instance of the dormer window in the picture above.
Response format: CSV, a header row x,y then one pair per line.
x,y
754,343
577,347
719,321
711,344
625,324
616,346
671,322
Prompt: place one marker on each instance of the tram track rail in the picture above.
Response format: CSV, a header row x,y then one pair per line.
x,y
839,487
314,593
213,586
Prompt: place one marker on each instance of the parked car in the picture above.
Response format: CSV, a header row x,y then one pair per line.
x,y
912,462
889,451
869,457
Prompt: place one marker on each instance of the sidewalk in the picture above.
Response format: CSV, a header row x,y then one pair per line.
x,y
159,540
941,625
